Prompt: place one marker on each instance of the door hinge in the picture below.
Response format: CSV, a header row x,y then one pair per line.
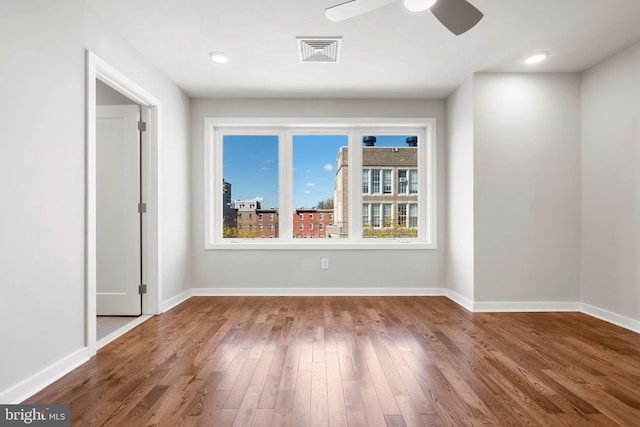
x,y
142,207
142,289
142,126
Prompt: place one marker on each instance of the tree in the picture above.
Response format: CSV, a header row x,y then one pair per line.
x,y
325,204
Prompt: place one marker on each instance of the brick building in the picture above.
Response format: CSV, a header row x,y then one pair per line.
x,y
312,223
255,222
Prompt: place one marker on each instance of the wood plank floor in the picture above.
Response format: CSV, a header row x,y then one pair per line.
x,y
356,361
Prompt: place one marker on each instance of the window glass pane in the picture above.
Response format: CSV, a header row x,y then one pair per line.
x,y
387,217
386,181
402,181
375,181
413,181
392,162
365,216
365,181
375,215
250,185
321,185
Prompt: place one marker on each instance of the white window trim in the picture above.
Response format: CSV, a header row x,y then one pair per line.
x,y
355,129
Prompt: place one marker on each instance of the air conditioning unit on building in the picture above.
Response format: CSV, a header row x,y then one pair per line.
x,y
403,179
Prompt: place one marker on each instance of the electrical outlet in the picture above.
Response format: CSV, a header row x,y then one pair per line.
x,y
324,263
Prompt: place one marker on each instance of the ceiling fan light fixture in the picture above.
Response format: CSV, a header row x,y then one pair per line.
x,y
418,5
536,58
220,58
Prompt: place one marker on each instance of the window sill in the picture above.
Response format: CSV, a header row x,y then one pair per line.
x,y
316,244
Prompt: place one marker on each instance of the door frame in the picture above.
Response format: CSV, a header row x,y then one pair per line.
x,y
98,69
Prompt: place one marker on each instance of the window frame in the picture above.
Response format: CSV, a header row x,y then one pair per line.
x,y
354,129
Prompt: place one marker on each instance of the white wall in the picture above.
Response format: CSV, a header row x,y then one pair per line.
x,y
611,184
460,234
239,269
527,187
42,165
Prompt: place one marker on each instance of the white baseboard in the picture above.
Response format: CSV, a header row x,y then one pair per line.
x,y
176,300
525,306
30,386
608,316
318,291
459,299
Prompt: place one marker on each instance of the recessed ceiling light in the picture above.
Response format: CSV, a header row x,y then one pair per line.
x,y
536,57
220,58
418,5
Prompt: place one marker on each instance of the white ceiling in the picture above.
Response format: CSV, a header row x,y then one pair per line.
x,y
388,53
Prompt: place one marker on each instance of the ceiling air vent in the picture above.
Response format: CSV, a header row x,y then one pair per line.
x,y
319,49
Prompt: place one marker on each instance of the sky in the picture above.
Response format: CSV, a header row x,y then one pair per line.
x,y
250,165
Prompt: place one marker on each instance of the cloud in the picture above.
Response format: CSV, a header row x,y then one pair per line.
x,y
268,161
259,199
264,168
310,184
328,167
306,192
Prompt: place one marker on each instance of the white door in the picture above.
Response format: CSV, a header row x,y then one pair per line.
x,y
118,222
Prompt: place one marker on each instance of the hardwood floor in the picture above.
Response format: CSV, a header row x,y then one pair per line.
x,y
356,361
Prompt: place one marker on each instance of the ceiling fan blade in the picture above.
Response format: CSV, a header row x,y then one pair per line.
x,y
353,8
458,16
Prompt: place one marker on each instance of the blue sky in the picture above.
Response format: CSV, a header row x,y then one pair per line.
x,y
251,166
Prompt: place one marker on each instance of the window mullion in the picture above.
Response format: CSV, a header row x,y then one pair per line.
x,y
355,180
285,158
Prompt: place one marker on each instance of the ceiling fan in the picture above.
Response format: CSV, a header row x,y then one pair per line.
x,y
458,16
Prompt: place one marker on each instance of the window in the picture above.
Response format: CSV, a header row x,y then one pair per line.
x,y
366,222
375,215
375,181
386,181
372,184
365,181
413,181
402,214
402,181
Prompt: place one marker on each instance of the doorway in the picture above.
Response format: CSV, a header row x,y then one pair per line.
x,y
122,262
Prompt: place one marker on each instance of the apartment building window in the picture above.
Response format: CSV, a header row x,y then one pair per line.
x,y
365,181
413,181
360,177
386,181
375,181
402,181
366,208
402,214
